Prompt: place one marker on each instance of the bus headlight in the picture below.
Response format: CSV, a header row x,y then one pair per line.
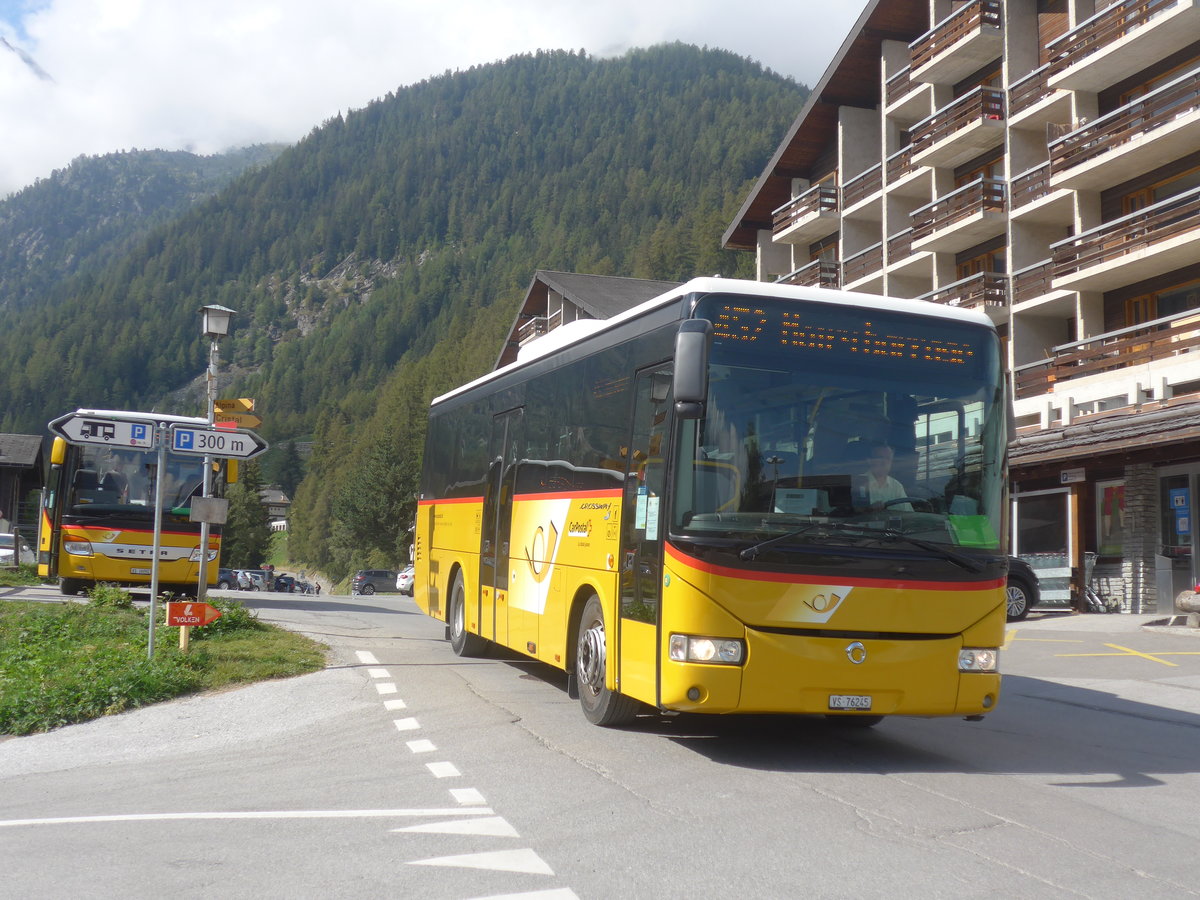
x,y
195,557
78,548
979,659
693,648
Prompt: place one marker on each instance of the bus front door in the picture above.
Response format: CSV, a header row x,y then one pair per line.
x,y
493,611
643,518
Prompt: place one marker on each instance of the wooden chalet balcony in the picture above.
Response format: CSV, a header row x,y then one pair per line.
x,y
960,130
961,219
1029,91
862,265
1031,185
1159,238
1120,40
1140,136
899,245
981,291
959,44
898,86
533,328
1035,199
905,100
1157,343
818,273
1033,281
811,215
860,187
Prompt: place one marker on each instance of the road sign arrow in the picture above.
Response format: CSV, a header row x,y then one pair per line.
x,y
81,428
241,419
235,405
193,614
223,443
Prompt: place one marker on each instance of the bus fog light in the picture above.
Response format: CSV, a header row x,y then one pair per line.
x,y
694,648
978,659
78,548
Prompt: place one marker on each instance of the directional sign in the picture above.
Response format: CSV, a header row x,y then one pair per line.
x,y
79,428
205,441
195,614
235,405
241,419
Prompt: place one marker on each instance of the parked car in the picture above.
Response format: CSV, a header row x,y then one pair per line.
x,y
227,579
404,581
263,580
285,583
1022,589
8,557
250,580
370,581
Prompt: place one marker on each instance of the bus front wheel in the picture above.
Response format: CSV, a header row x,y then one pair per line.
x,y
600,705
462,641
70,587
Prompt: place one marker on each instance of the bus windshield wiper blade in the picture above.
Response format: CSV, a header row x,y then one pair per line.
x,y
888,534
752,551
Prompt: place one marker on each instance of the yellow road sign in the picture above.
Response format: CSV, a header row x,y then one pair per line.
x,y
243,420
235,405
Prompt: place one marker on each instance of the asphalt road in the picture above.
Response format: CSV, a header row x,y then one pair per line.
x,y
403,771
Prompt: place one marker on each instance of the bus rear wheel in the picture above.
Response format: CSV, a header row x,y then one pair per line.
x,y
600,705
462,642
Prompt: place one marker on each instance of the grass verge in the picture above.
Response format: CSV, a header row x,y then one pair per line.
x,y
67,663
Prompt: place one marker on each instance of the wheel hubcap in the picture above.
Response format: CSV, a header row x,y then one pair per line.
x,y
590,664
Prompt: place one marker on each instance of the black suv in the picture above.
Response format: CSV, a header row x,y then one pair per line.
x,y
369,581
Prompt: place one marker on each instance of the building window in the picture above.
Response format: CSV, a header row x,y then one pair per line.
x,y
1110,517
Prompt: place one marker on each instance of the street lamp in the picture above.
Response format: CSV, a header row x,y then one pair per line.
x,y
215,325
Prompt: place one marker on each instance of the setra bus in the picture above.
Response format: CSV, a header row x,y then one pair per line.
x,y
97,519
688,507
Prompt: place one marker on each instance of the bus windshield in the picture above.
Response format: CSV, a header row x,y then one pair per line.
x,y
835,423
110,481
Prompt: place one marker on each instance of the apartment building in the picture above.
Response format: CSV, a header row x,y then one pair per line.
x,y
1038,160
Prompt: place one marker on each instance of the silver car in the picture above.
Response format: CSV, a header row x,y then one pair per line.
x,y
404,581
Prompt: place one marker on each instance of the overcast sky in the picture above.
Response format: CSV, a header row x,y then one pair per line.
x,y
96,76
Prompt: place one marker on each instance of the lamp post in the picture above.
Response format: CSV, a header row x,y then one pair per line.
x,y
216,321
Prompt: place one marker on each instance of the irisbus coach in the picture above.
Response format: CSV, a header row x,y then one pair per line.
x,y
735,498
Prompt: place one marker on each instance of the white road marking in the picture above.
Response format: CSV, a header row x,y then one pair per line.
x,y
385,687
467,796
443,769
524,860
552,894
395,704
379,673
259,814
366,657
421,746
492,826
409,724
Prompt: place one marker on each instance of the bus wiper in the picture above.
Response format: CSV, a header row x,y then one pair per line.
x,y
888,534
752,552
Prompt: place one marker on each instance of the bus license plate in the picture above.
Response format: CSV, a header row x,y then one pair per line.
x,y
139,571
849,701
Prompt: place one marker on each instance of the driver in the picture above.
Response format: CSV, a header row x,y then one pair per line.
x,y
880,487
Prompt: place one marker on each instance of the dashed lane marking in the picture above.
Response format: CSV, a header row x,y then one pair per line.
x,y
467,796
366,657
490,826
408,724
385,687
421,746
443,769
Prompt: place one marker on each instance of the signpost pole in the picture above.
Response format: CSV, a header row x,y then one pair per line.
x,y
158,505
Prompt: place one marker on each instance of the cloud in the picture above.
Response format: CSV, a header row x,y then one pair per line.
x,y
177,74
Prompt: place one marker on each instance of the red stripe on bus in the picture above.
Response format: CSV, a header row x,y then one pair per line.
x,y
680,557
607,493
125,529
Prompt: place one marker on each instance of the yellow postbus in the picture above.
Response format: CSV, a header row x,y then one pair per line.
x,y
735,498
97,518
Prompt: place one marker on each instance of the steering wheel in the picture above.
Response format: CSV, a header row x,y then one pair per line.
x,y
919,504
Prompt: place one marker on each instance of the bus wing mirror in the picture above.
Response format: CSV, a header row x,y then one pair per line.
x,y
691,367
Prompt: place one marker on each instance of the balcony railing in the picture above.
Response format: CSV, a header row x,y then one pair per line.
x,y
868,262
1137,345
899,245
862,186
899,164
535,327
1103,29
981,104
985,289
1031,185
1128,234
1033,282
818,273
1178,98
818,199
981,195
1029,90
954,28
898,85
